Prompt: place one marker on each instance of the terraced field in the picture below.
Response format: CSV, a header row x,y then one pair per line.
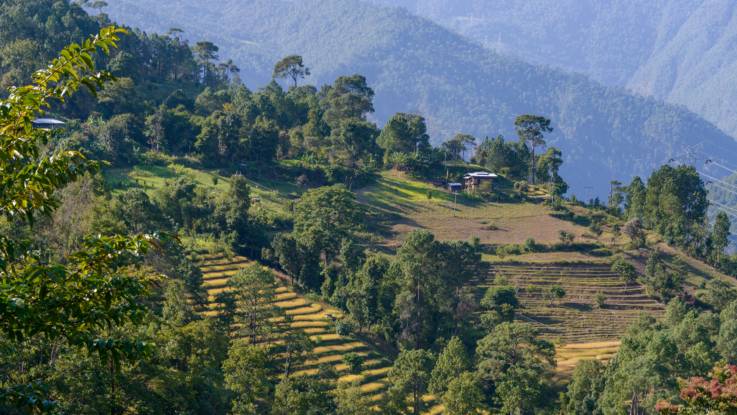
x,y
579,328
576,318
314,319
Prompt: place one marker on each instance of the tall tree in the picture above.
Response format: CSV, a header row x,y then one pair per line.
x,y
635,200
404,133
410,377
348,97
516,365
255,294
464,396
531,130
453,361
291,67
248,374
206,52
676,204
720,236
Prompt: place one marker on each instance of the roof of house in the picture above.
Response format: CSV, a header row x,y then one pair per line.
x,y
47,121
480,175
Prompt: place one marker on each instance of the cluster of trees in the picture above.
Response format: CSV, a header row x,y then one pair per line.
x,y
654,354
518,160
674,204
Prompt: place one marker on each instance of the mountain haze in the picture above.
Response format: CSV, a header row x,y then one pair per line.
x,y
680,51
415,65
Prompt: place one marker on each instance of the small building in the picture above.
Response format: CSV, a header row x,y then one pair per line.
x,y
479,181
47,123
455,187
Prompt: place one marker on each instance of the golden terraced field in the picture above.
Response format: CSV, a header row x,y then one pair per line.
x,y
316,320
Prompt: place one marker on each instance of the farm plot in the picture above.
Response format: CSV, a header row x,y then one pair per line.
x,y
408,204
579,326
315,320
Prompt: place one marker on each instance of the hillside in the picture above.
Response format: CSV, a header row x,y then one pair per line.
x,y
315,320
678,51
417,66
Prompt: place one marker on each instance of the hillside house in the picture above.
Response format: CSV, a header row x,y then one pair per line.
x,y
479,181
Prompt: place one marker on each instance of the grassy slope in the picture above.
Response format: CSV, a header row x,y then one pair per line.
x,y
404,205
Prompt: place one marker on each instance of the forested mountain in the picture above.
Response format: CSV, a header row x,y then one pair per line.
x,y
417,66
681,51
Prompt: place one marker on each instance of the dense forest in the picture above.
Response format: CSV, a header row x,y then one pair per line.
x,y
103,301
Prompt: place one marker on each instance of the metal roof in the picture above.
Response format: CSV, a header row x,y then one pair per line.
x,y
48,121
481,174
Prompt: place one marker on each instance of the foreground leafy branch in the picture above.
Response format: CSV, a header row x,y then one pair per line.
x,y
90,292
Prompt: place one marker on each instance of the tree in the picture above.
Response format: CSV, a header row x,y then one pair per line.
x,y
323,217
531,130
516,366
453,360
303,395
635,199
457,145
206,52
676,203
464,396
291,67
95,286
557,292
548,166
508,158
626,271
499,303
247,374
727,338
616,196
232,210
410,377
354,144
176,309
429,275
719,294
706,396
660,280
720,236
255,294
350,400
634,230
364,302
348,97
587,384
404,133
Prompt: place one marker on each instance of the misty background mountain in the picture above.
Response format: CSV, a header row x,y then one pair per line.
x,y
680,51
415,65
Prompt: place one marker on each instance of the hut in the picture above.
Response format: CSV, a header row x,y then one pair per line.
x,y
479,181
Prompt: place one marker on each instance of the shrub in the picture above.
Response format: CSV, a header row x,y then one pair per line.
x,y
566,238
600,299
626,271
354,361
530,245
345,326
557,292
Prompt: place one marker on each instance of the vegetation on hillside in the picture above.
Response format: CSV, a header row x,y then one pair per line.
x,y
187,245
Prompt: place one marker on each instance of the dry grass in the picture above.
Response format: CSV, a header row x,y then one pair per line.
x,y
404,201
